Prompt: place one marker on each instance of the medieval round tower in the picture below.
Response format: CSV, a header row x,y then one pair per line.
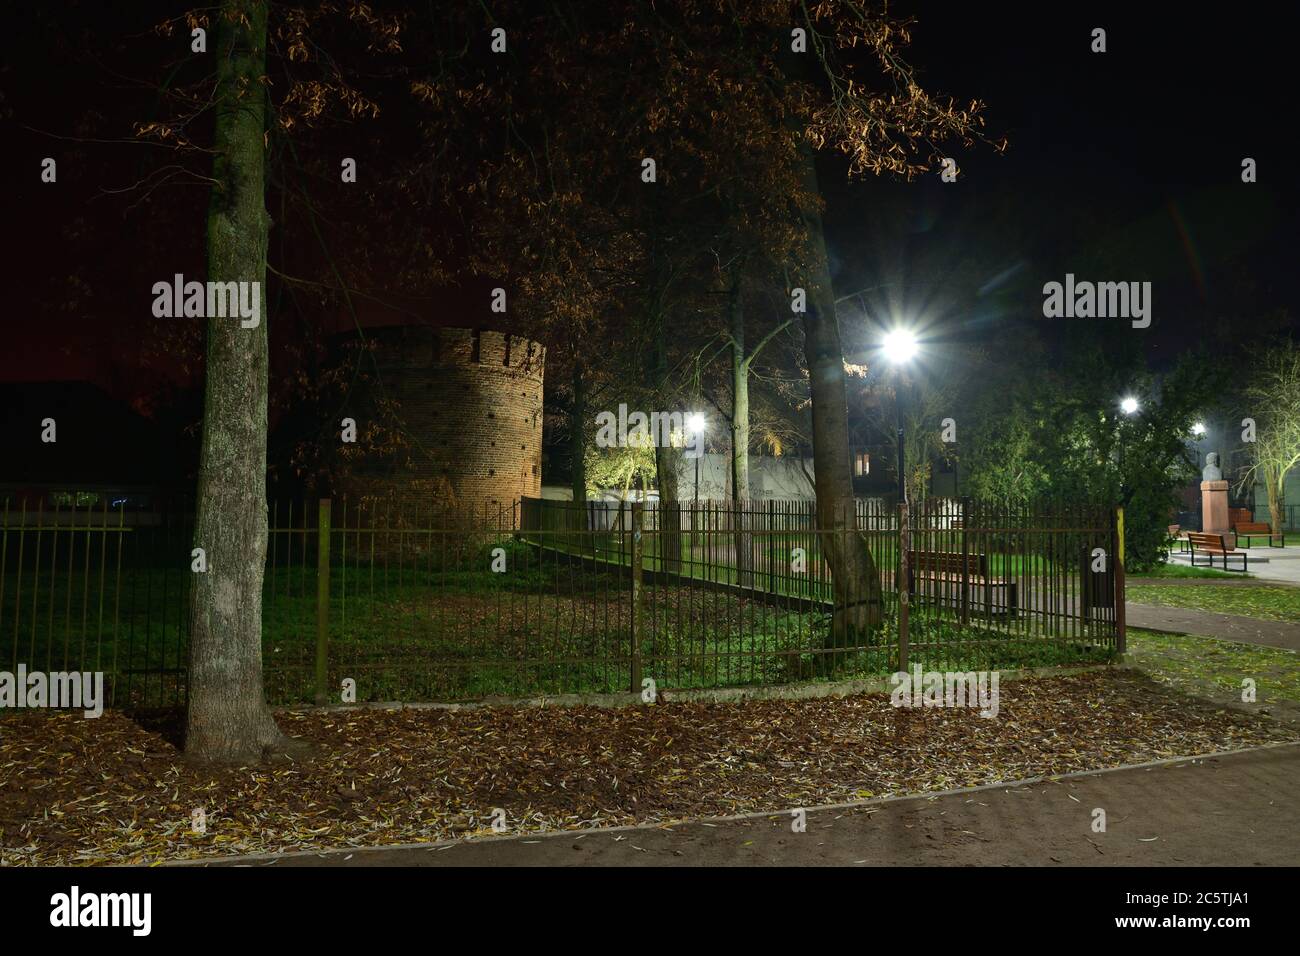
x,y
469,404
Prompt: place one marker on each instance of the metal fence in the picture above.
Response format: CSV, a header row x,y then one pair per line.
x,y
408,601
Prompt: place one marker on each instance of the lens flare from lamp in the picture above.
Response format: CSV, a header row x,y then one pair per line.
x,y
899,346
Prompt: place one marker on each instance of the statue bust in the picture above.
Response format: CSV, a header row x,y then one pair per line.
x,y
1211,471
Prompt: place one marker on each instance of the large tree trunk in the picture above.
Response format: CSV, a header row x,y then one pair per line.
x,y
576,514
740,435
669,514
1275,483
855,583
578,437
667,458
228,720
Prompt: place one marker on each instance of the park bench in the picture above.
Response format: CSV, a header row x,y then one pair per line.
x,y
941,572
1176,533
1256,529
1203,542
1238,516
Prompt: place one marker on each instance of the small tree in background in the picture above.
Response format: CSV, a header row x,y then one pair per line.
x,y
1274,403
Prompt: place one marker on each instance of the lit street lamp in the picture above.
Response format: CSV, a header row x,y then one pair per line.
x,y
1129,406
899,347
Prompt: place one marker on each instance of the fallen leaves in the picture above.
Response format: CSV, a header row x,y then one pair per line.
x,y
75,791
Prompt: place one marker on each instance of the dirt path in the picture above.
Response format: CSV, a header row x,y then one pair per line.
x,y
1227,627
1233,810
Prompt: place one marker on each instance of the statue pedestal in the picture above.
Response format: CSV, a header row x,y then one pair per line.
x,y
1214,507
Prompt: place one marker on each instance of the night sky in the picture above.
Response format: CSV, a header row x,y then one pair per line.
x,y
1123,165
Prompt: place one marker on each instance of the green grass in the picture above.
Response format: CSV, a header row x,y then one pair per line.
x,y
774,560
1214,669
449,630
1187,571
1265,602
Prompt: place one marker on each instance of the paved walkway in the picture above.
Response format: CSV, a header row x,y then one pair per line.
x,y
1282,566
1228,627
1232,810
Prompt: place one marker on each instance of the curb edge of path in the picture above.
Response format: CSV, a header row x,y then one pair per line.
x,y
263,858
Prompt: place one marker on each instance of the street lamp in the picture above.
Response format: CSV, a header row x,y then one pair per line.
x,y
1129,406
899,346
1198,429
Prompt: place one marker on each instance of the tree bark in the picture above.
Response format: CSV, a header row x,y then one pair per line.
x,y
669,514
228,719
1274,481
578,437
576,514
855,583
740,434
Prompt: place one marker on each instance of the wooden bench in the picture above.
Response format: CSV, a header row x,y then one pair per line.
x,y
1238,516
1213,544
1256,529
1176,533
945,568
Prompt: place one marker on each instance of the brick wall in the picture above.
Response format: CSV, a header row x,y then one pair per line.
x,y
472,405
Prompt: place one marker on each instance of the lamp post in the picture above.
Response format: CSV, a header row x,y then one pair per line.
x,y
1129,406
695,425
1198,436
899,346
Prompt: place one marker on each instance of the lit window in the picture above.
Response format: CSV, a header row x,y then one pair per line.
x,y
861,464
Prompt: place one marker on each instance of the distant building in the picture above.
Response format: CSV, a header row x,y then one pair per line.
x,y
769,477
786,478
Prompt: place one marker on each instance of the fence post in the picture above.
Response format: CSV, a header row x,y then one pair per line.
x,y
322,599
771,546
904,580
1121,628
965,563
638,517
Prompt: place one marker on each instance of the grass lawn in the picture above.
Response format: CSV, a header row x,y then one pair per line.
x,y
1270,603
711,557
1187,571
1214,669
454,633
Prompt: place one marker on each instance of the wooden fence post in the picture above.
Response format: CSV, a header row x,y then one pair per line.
x,y
638,518
904,580
1121,624
771,546
965,563
322,600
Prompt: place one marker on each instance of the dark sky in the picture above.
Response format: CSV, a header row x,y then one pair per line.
x,y
1121,166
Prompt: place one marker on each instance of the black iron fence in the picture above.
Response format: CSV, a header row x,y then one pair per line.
x,y
400,600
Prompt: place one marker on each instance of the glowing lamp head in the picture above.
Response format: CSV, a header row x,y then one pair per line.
x,y
1198,429
899,346
1129,405
695,423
